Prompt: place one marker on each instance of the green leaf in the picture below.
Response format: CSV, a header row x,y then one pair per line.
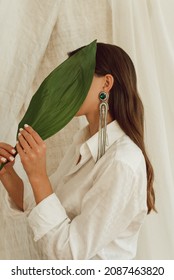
x,y
61,94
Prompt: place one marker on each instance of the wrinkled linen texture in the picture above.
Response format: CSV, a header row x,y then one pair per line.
x,y
35,37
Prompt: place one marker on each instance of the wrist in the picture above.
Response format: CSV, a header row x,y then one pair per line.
x,y
6,173
38,179
41,187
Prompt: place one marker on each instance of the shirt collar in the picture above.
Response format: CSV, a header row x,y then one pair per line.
x,y
114,132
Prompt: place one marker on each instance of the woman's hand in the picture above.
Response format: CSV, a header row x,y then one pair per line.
x,y
7,153
32,151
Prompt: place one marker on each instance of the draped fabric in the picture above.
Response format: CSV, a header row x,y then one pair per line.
x,y
35,38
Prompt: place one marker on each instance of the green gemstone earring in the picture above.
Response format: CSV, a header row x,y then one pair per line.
x,y
102,133
103,96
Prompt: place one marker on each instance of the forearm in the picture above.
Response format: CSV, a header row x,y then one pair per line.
x,y
41,187
14,186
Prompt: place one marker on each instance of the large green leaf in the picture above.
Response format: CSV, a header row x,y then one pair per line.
x,y
61,94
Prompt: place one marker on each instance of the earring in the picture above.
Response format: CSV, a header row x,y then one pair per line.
x,y
102,133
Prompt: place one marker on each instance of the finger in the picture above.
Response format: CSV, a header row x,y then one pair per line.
x,y
19,149
24,144
8,148
4,155
28,137
35,135
3,159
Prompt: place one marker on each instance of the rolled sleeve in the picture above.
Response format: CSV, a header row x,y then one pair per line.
x,y
46,215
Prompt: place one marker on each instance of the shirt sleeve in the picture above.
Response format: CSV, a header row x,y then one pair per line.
x,y
28,197
28,201
116,198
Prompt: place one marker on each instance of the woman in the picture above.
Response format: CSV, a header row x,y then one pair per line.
x,y
93,206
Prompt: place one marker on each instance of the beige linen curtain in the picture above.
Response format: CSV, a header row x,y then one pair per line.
x,y
35,37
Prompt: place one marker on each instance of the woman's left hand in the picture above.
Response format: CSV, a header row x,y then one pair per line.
x,y
32,151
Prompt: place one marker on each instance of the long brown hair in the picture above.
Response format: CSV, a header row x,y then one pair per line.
x,y
125,104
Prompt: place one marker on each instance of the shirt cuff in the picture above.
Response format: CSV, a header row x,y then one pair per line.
x,y
46,215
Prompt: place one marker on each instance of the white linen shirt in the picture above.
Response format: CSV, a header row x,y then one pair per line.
x,y
97,208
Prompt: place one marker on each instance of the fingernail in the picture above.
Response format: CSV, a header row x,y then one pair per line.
x,y
26,125
11,158
20,129
13,151
3,159
19,134
17,142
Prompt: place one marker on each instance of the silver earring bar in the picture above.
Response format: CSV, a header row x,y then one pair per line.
x,y
102,133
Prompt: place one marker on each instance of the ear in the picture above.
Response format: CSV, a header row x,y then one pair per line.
x,y
109,81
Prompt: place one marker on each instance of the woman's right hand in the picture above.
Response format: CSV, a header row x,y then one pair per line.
x,y
7,153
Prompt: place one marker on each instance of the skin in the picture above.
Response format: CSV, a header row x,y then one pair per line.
x,y
32,149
